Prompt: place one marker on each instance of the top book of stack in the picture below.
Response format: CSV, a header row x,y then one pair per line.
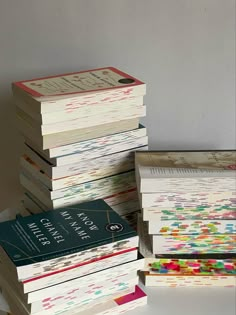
x,y
205,171
77,90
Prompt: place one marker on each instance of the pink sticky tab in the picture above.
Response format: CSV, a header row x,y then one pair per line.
x,y
137,294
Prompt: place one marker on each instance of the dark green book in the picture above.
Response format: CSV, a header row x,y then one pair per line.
x,y
45,243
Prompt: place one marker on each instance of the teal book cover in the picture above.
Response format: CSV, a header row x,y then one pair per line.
x,y
53,234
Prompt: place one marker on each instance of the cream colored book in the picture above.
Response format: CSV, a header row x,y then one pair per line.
x,y
186,171
68,137
77,89
123,103
90,121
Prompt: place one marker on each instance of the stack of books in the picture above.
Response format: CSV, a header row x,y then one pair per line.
x,y
82,259
80,133
188,225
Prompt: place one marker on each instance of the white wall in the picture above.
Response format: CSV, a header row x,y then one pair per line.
x,y
183,49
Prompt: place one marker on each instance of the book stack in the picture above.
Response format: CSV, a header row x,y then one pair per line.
x,y
188,226
80,133
81,259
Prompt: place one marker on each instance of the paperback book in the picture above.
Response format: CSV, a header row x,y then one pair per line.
x,y
54,240
189,171
100,188
93,148
193,227
76,89
170,272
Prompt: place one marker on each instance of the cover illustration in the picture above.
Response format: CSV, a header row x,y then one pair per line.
x,y
78,82
53,234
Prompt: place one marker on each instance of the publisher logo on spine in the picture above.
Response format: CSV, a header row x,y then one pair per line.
x,y
114,227
126,81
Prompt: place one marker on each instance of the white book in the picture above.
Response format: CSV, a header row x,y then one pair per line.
x,y
79,111
159,172
123,196
123,163
117,180
78,89
92,279
184,272
185,227
71,306
36,206
145,246
33,204
94,147
81,165
208,213
93,153
188,200
68,137
82,294
116,303
194,244
162,179
82,123
32,287
101,188
126,207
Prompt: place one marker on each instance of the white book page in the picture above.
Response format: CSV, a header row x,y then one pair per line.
x,y
179,172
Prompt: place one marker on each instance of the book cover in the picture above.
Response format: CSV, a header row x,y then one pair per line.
x,y
94,80
63,235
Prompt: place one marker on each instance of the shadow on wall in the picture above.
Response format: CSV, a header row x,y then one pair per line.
x,y
10,146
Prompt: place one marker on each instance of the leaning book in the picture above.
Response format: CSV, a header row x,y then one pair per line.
x,y
55,241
